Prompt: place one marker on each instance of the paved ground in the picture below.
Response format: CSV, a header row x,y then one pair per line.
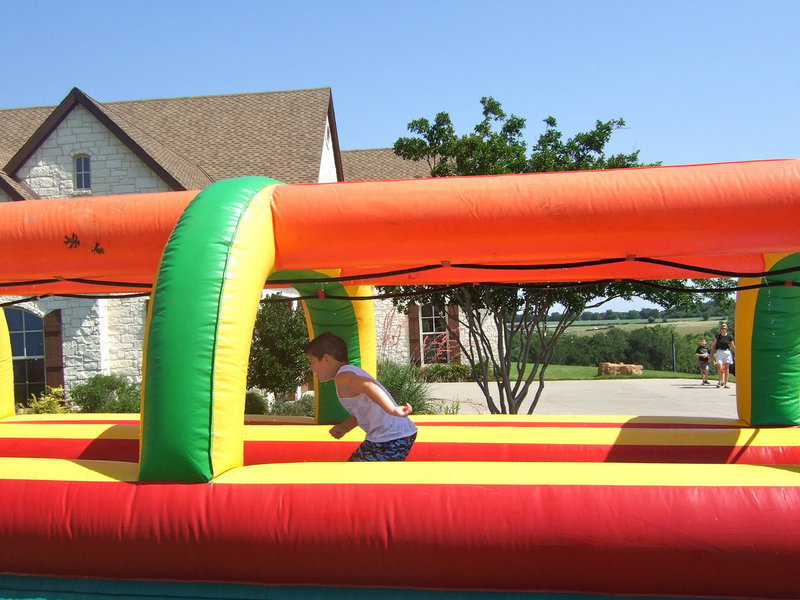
x,y
645,397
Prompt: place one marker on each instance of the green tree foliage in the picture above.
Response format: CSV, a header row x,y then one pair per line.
x,y
277,361
496,145
484,151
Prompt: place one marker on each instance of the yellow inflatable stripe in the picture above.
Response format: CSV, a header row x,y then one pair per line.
x,y
484,473
59,469
250,260
73,417
552,435
422,419
365,318
621,419
475,435
70,432
430,473
7,408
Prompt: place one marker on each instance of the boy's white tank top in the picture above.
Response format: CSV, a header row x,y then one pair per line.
x,y
379,425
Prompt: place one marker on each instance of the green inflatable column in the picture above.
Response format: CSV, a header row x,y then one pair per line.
x,y
768,347
200,325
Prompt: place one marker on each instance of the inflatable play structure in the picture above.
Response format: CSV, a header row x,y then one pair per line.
x,y
194,499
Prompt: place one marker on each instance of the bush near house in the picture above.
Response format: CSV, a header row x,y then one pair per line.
x,y
447,372
302,407
106,394
407,385
53,402
256,404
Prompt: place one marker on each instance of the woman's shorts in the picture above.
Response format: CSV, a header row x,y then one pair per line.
x,y
393,450
724,357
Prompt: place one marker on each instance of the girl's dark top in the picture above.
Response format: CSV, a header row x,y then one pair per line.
x,y
702,350
724,341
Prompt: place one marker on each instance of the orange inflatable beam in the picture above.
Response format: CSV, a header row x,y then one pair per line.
x,y
542,218
368,227
105,238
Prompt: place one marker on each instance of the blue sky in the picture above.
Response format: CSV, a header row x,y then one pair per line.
x,y
697,81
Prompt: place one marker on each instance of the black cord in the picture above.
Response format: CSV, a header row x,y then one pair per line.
x,y
325,296
444,264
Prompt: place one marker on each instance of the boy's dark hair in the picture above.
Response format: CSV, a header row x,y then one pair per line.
x,y
327,343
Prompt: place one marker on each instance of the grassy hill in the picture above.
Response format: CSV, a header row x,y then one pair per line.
x,y
682,326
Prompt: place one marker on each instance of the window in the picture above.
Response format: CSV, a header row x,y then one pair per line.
x,y
27,351
83,172
435,337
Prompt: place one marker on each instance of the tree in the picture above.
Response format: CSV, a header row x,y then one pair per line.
x,y
277,361
523,347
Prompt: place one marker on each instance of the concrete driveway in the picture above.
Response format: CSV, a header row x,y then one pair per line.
x,y
644,397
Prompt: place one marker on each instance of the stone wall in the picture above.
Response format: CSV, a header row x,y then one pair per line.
x,y
391,332
125,336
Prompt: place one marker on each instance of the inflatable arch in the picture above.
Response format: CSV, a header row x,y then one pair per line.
x,y
574,505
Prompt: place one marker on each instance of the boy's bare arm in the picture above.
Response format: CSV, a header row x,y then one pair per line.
x,y
350,384
339,430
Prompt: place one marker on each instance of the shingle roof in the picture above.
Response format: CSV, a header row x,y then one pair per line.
x,y
276,134
379,164
16,126
195,140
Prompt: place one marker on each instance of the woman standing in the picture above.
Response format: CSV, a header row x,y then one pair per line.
x,y
722,349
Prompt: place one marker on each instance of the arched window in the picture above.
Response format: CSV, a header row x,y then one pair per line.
x,y
83,172
27,351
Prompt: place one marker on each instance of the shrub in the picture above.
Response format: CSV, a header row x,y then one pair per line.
x,y
303,407
406,385
255,404
51,402
450,372
106,393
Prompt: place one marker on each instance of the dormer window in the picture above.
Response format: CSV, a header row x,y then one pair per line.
x,y
83,172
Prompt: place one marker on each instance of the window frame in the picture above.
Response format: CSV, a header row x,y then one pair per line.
x,y
27,361
443,344
82,168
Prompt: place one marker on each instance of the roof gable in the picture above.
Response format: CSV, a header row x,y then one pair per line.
x,y
175,171
15,189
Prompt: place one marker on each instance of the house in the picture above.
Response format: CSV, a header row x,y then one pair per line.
x,y
84,147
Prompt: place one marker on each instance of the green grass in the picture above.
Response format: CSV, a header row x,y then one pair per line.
x,y
572,373
569,372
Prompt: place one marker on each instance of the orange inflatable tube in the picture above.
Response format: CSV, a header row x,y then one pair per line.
x,y
555,219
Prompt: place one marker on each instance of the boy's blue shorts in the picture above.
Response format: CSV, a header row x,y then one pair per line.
x,y
394,450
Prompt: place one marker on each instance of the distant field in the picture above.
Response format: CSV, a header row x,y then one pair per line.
x,y
682,326
569,373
